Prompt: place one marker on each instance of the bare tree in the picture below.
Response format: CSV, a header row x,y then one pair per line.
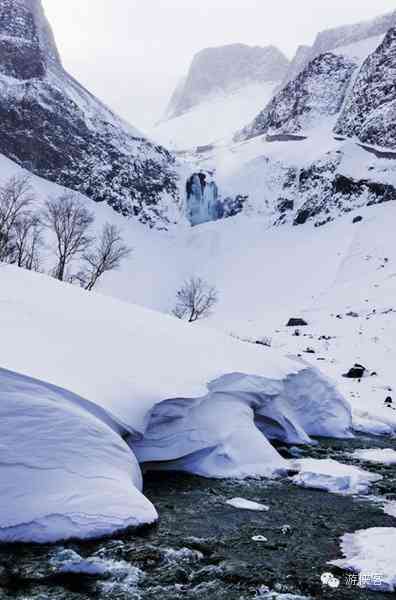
x,y
15,198
195,300
28,242
107,255
69,221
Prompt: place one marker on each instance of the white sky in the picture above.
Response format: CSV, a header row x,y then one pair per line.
x,y
131,53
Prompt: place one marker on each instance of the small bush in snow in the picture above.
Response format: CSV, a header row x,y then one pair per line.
x,y
195,300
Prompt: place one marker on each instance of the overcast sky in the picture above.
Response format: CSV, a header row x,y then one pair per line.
x,y
131,53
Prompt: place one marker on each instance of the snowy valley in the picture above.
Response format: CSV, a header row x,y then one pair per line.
x,y
143,456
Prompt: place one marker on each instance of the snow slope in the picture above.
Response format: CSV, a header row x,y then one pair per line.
x,y
215,118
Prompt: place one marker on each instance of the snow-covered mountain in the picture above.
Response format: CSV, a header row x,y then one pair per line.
x,y
224,69
225,88
54,127
339,37
316,93
294,161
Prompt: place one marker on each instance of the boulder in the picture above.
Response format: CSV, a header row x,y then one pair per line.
x,y
296,322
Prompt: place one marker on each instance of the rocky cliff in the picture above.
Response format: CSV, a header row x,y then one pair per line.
x,y
370,111
317,93
55,128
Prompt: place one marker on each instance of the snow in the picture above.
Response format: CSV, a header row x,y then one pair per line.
x,y
332,476
147,378
244,504
65,471
331,270
214,119
264,593
390,508
371,553
385,456
361,49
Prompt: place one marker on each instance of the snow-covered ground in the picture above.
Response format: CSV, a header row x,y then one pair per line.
x,y
266,275
371,553
214,119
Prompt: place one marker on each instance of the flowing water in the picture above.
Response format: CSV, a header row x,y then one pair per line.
x,y
204,549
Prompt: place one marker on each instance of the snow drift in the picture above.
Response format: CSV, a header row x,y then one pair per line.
x,y
181,396
65,471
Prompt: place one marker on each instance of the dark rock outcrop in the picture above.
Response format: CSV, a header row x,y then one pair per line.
x,y
296,322
356,372
327,192
370,111
55,128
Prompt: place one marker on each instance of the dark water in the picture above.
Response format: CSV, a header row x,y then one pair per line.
x,y
203,548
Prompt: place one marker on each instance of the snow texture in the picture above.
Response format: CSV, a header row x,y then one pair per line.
x,y
65,471
332,476
371,552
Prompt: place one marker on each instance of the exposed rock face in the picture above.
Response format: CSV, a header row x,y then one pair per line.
x,y
221,70
370,111
316,93
53,127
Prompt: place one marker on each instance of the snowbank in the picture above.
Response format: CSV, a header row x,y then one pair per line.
x,y
64,471
371,552
183,397
385,456
332,476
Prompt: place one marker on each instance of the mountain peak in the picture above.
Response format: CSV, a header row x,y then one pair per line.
x,y
225,69
27,44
